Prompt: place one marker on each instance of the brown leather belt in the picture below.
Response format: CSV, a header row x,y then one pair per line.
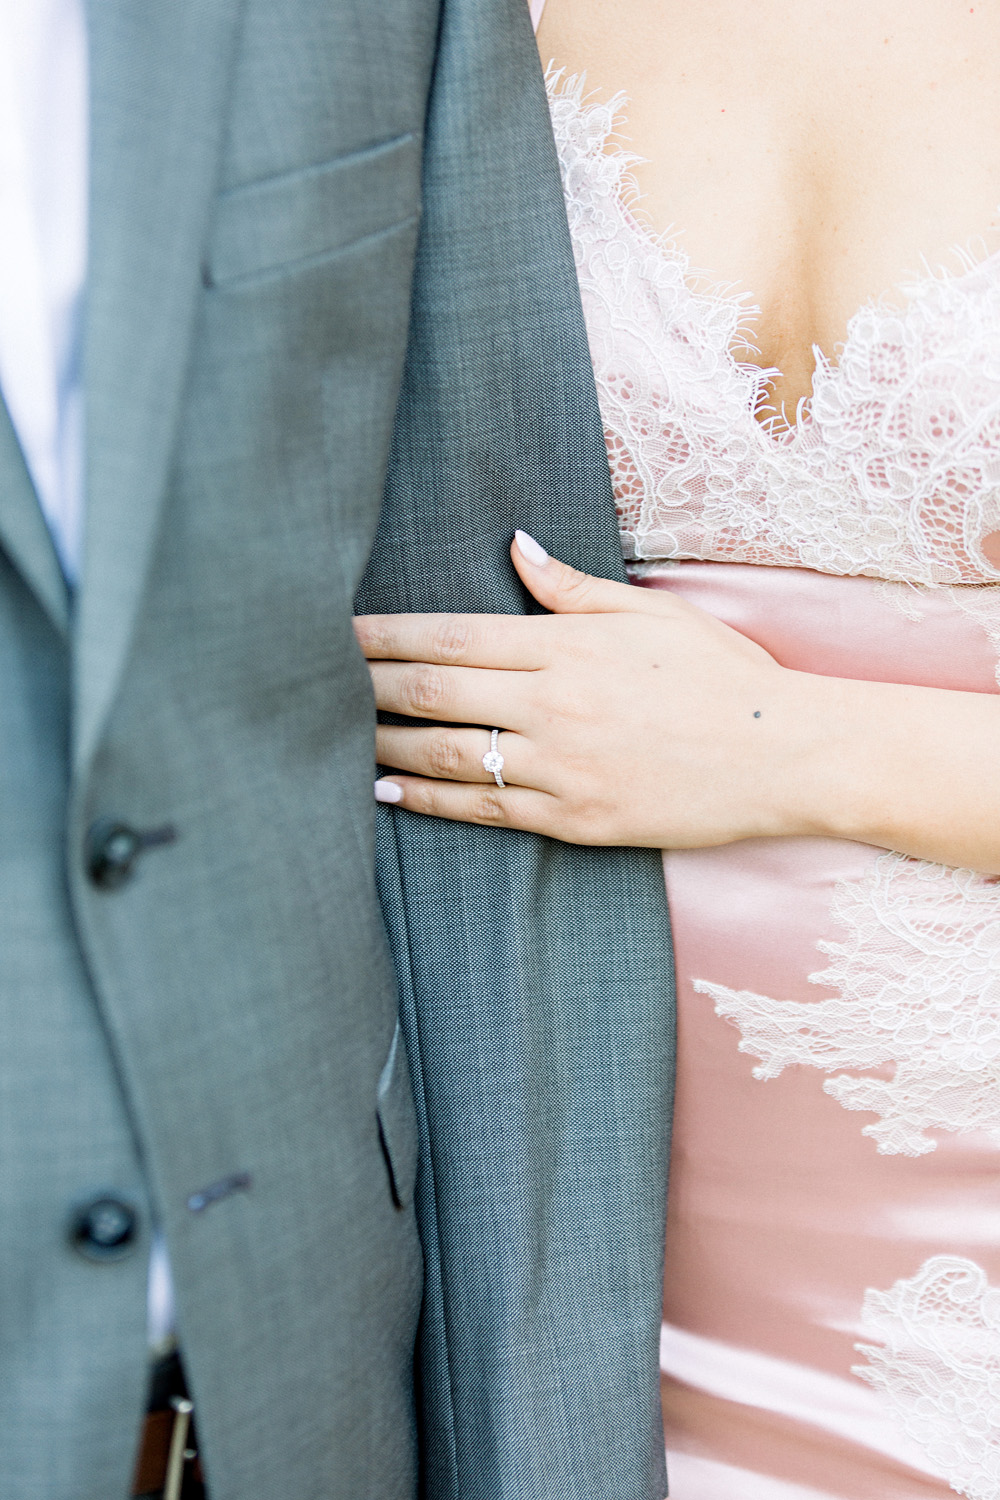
x,y
167,1465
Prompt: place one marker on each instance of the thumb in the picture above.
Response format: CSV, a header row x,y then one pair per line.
x,y
564,590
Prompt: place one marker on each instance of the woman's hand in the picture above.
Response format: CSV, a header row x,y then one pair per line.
x,y
628,716
631,717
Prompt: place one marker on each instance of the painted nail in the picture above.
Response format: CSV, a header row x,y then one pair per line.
x,y
388,791
531,550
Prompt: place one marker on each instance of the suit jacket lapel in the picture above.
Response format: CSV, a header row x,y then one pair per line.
x,y
23,529
157,80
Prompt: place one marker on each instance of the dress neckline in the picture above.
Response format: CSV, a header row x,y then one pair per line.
x,y
776,432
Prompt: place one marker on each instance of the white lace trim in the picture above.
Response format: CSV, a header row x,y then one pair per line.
x,y
939,1368
983,606
979,602
917,977
800,1393
893,469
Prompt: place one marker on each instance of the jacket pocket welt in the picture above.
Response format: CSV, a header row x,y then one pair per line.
x,y
397,1123
267,227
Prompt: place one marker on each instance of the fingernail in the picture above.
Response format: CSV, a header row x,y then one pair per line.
x,y
531,550
388,791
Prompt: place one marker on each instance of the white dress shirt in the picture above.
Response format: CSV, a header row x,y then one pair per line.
x,y
43,249
44,181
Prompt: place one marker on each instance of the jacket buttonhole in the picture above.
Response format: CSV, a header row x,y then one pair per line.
x,y
237,1182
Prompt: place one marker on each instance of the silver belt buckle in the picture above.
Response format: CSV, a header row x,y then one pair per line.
x,y
180,1454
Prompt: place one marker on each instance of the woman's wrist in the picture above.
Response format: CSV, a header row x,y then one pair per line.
x,y
806,759
851,749
834,758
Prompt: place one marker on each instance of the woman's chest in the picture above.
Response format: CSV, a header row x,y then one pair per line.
x,y
807,154
892,467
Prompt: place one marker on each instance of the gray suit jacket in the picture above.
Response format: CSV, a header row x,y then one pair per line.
x,y
536,979
212,1041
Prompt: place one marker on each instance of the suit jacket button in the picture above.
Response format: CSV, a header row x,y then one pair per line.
x,y
104,1229
111,851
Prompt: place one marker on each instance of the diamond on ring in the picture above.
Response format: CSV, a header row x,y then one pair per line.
x,y
493,760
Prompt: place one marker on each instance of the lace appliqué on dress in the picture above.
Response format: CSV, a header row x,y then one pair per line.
x,y
917,976
673,399
983,605
894,467
939,1368
978,602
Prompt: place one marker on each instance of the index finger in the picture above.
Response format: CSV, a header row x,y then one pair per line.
x,y
514,642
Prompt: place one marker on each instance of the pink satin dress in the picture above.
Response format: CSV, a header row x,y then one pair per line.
x,y
832,1298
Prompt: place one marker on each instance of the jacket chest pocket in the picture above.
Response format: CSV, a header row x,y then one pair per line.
x,y
279,224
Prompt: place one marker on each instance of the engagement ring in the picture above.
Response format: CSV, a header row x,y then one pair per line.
x,y
493,760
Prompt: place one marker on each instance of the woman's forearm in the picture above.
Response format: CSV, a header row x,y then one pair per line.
x,y
913,769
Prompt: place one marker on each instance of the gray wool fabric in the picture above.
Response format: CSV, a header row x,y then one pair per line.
x,y
227,1014
215,1042
536,978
